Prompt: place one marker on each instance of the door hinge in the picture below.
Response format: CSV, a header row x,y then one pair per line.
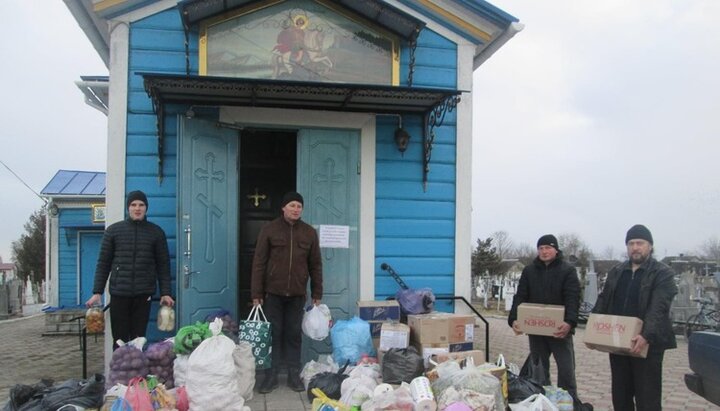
x,y
358,167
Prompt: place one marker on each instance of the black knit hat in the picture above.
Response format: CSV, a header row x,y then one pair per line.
x,y
548,239
291,196
137,195
639,231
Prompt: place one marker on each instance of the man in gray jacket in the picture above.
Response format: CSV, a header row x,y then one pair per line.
x,y
134,254
640,287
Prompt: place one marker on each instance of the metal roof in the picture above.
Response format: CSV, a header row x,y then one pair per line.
x,y
207,90
75,183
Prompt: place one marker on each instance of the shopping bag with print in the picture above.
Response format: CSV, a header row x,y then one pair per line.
x,y
257,331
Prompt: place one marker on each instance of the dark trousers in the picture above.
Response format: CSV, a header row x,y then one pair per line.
x,y
285,314
129,317
564,353
638,378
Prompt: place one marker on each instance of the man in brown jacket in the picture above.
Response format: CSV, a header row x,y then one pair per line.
x,y
287,254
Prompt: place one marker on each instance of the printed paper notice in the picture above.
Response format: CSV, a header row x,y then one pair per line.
x,y
334,236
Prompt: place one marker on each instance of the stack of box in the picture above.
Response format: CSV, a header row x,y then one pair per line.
x,y
376,313
540,319
612,333
441,333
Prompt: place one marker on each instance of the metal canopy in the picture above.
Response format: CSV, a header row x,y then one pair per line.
x,y
217,91
387,16
431,103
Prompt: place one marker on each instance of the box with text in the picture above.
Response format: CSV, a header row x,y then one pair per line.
x,y
613,333
379,310
540,319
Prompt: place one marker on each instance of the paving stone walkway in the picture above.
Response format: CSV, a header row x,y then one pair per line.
x,y
26,357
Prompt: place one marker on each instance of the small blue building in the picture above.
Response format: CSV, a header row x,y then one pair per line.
x,y
75,226
217,107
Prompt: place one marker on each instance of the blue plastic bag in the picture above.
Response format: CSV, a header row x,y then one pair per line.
x,y
350,340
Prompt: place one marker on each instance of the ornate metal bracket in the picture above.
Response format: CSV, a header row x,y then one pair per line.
x,y
434,118
411,63
159,109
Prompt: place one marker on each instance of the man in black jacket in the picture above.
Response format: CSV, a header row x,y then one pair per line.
x,y
550,280
640,287
134,254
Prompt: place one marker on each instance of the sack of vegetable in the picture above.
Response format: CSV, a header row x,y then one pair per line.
x,y
230,326
190,336
128,361
161,358
212,378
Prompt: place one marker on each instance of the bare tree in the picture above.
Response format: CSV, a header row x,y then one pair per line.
x,y
503,243
575,248
608,253
525,253
711,249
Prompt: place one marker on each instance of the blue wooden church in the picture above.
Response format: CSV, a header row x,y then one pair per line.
x,y
218,107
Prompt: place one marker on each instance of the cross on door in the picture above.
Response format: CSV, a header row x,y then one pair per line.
x,y
209,175
257,197
329,177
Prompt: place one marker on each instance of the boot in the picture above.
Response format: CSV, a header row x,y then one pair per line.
x,y
294,381
270,382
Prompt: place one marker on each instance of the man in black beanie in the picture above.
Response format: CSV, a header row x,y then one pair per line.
x,y
136,252
287,256
640,287
551,280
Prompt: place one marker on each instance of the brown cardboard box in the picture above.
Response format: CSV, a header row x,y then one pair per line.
x,y
429,328
612,333
442,328
540,319
478,356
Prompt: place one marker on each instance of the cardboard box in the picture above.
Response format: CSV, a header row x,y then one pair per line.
x,y
461,328
540,319
428,349
394,335
429,328
379,310
478,356
612,333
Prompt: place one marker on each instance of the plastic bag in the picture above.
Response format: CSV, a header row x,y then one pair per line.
x,y
415,301
536,402
138,396
180,366
520,388
402,365
321,402
350,340
121,404
245,369
499,370
183,402
212,381
536,369
166,318
471,378
317,321
456,399
356,390
329,383
189,337
324,364
94,320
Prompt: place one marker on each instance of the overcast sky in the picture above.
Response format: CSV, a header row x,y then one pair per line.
x,y
597,116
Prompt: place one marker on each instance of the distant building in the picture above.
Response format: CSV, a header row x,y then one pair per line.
x,y
8,272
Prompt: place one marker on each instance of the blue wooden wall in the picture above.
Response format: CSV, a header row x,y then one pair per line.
x,y
70,221
415,230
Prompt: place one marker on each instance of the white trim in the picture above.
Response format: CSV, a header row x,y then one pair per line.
x,y
52,296
117,144
311,118
432,24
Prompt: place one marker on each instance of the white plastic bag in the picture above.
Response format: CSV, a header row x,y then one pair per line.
x,y
212,379
535,402
245,368
317,321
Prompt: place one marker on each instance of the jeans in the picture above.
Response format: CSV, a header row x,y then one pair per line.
x,y
285,314
129,317
563,351
638,378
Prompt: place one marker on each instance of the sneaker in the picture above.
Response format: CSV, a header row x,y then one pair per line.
x,y
269,384
294,381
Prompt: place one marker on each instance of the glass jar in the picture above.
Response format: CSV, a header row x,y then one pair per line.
x,y
94,320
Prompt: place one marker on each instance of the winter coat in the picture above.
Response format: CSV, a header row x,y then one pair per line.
x,y
286,256
556,283
657,291
134,254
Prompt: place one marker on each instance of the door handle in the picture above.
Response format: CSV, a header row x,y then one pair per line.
x,y
188,239
186,275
